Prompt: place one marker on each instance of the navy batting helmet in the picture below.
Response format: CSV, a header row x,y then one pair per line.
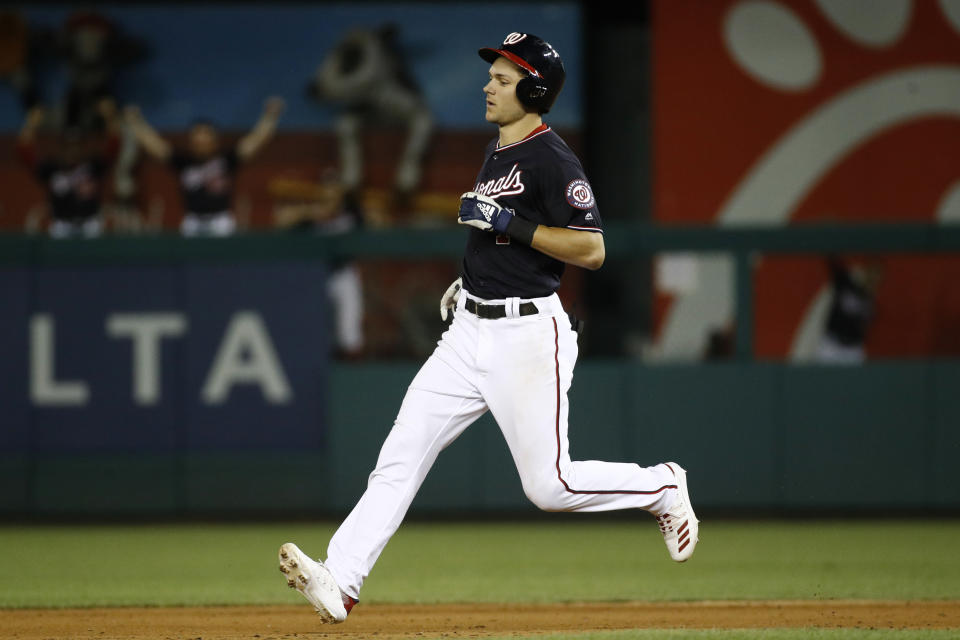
x,y
545,74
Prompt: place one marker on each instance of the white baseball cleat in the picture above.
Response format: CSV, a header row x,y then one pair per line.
x,y
315,582
679,525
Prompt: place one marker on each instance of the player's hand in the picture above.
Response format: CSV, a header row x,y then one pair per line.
x,y
449,300
483,213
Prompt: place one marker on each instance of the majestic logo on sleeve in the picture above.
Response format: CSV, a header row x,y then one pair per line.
x,y
580,195
508,185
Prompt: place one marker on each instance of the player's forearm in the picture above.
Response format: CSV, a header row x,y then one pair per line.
x,y
580,248
107,109
27,135
28,132
263,131
151,141
259,136
148,138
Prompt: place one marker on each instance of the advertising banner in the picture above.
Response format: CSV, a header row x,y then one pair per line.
x,y
163,359
793,112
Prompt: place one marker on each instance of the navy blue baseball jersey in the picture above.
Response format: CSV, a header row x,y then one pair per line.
x,y
206,185
74,190
541,180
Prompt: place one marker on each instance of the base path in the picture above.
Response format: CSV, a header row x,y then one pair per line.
x,y
467,620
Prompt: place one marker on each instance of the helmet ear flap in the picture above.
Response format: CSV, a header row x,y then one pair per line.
x,y
531,92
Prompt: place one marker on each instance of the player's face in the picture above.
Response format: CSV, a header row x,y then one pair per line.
x,y
203,140
503,106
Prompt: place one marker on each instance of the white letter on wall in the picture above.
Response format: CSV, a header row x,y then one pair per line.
x,y
45,389
146,330
246,334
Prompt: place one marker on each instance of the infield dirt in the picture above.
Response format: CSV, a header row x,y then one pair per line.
x,y
467,620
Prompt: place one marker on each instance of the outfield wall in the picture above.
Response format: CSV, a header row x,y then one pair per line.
x,y
165,376
752,435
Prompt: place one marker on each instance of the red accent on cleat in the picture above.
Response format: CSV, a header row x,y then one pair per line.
x,y
348,602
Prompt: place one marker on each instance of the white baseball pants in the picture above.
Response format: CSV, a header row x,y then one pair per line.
x,y
213,225
520,368
89,228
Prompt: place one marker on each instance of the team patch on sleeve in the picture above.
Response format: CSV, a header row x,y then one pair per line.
x,y
580,195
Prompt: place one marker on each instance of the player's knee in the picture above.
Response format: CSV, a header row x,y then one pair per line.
x,y
546,493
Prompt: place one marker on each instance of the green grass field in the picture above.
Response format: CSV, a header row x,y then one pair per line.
x,y
575,559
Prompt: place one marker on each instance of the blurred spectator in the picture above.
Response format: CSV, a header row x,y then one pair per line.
x,y
319,208
93,48
851,312
367,73
721,343
74,176
15,57
206,170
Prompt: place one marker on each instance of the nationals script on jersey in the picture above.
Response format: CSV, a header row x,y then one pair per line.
x,y
540,179
508,185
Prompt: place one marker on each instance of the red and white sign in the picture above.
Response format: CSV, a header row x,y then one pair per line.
x,y
772,112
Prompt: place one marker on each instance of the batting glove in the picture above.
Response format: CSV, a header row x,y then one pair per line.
x,y
484,213
449,300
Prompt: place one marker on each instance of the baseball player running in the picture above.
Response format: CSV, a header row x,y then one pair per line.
x,y
510,348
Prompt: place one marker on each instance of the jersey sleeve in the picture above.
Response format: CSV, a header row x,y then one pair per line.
x,y
569,198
